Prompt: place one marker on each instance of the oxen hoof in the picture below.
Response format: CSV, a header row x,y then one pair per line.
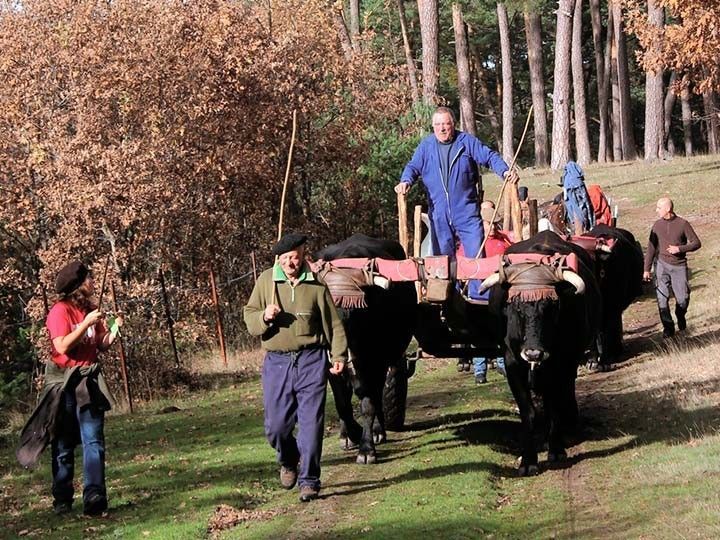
x,y
528,470
557,457
347,444
365,459
593,366
379,438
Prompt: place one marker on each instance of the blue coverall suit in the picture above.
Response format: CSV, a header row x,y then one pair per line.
x,y
453,201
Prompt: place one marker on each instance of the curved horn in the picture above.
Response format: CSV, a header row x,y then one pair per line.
x,y
492,279
575,280
381,282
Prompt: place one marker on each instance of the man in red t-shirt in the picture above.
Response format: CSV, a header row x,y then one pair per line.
x,y
495,244
77,332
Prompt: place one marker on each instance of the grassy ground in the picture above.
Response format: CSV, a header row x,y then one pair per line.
x,y
647,464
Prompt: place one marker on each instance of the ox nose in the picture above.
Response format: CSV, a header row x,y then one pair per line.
x,y
532,355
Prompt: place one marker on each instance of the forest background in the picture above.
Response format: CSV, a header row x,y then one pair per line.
x,y
155,135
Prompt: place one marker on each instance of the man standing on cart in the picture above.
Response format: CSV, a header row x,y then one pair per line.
x,y
448,160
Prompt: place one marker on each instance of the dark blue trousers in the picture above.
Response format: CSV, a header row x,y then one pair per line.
x,y
294,387
88,422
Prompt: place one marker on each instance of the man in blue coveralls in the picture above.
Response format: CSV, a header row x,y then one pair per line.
x,y
447,161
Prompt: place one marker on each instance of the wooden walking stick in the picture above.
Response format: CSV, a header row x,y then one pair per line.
x,y
104,280
123,360
276,299
502,188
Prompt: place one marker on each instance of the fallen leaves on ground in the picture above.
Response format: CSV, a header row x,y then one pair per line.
x,y
226,517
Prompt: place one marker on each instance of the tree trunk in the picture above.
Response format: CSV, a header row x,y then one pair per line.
x,y
654,120
669,105
355,24
507,95
711,122
686,120
480,75
409,57
428,10
608,80
533,35
582,138
343,34
616,115
561,92
602,88
467,113
629,151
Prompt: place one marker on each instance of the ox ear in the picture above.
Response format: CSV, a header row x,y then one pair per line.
x,y
575,280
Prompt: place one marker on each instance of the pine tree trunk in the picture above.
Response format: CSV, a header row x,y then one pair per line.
x,y
610,79
629,151
355,24
533,35
686,120
409,57
582,138
561,91
343,35
467,111
670,98
602,89
711,122
507,95
489,102
428,10
616,114
654,107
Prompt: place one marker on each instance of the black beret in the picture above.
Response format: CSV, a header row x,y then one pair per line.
x,y
70,277
289,242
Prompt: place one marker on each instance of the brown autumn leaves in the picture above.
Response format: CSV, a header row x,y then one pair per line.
x,y
158,132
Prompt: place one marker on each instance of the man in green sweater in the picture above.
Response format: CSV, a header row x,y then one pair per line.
x,y
297,322
671,238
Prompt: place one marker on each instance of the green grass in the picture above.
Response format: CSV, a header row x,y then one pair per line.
x,y
647,464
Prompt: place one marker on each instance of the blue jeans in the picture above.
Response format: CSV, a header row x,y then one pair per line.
x,y
480,365
88,423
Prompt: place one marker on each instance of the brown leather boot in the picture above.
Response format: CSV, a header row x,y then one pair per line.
x,y
288,476
308,493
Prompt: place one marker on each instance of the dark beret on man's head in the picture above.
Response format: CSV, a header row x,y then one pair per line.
x,y
289,242
70,277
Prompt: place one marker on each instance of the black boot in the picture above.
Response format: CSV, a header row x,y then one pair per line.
x,y
680,312
667,322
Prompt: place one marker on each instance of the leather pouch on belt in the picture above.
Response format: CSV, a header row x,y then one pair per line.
x,y
437,290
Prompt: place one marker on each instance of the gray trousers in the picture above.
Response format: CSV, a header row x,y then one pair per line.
x,y
294,388
672,279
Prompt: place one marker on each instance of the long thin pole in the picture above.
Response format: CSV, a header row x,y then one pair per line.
x,y
287,173
284,191
254,266
506,182
169,318
104,280
218,317
123,360
502,189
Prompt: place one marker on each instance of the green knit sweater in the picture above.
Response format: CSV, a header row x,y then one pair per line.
x,y
308,316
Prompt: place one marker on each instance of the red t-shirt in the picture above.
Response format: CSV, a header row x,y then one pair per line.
x,y
63,318
496,244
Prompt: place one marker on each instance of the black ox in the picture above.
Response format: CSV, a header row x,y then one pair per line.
x,y
550,317
619,275
379,326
